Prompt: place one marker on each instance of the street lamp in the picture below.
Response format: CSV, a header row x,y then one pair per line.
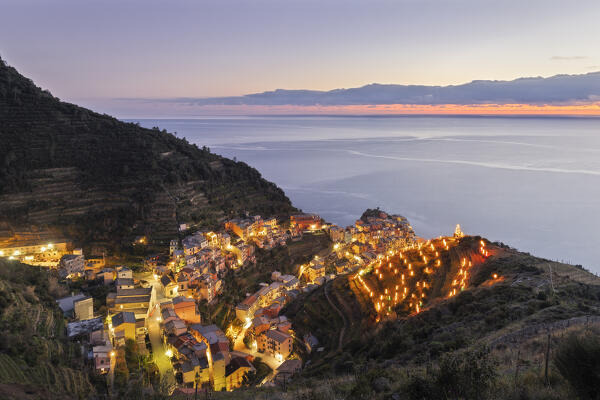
x,y
169,353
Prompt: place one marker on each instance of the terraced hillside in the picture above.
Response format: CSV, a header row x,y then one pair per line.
x,y
34,351
508,297
97,179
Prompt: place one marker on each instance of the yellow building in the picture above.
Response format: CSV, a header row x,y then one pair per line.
x,y
123,325
315,271
235,372
198,369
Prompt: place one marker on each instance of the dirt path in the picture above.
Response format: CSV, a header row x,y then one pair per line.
x,y
537,329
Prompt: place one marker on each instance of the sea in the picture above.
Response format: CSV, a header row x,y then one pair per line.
x,y
530,182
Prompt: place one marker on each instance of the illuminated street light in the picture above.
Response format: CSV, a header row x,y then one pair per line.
x,y
169,353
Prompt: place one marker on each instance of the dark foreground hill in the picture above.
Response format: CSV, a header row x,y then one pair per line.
x,y
37,361
511,304
98,179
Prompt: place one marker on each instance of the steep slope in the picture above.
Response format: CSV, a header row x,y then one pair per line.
x,y
508,296
34,352
98,179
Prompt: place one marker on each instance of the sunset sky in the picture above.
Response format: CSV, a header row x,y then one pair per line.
x,y
101,53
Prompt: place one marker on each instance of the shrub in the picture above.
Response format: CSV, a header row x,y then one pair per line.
x,y
577,359
467,375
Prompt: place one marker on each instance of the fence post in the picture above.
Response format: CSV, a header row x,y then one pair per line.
x,y
546,363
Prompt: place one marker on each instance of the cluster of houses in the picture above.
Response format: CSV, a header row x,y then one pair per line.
x,y
34,248
263,233
194,271
360,245
203,258
380,233
127,307
201,355
267,330
269,299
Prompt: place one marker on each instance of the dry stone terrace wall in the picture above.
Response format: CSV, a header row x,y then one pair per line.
x,y
66,167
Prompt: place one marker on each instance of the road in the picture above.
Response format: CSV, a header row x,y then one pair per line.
x,y
272,362
111,374
158,349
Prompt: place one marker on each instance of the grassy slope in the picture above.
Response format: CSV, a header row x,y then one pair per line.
x,y
34,351
483,314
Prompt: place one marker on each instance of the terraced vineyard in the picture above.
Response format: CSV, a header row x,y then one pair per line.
x,y
34,349
101,181
506,297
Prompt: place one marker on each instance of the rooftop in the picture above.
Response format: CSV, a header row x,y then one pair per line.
x,y
277,336
84,327
123,317
290,366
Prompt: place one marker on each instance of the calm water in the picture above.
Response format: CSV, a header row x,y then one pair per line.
x,y
533,183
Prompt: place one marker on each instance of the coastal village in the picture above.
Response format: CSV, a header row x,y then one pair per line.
x,y
157,310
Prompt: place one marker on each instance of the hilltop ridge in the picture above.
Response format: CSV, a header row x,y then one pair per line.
x,y
93,177
507,295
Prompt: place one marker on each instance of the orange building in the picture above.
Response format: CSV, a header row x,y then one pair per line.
x,y
306,222
186,310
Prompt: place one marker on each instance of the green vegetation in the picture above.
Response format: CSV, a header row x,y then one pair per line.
x,y
104,181
33,348
450,334
252,379
134,371
284,259
578,361
371,212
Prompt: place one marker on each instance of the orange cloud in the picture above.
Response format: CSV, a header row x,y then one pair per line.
x,y
588,109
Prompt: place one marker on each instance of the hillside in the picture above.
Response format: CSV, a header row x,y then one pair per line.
x,y
523,301
36,359
96,179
